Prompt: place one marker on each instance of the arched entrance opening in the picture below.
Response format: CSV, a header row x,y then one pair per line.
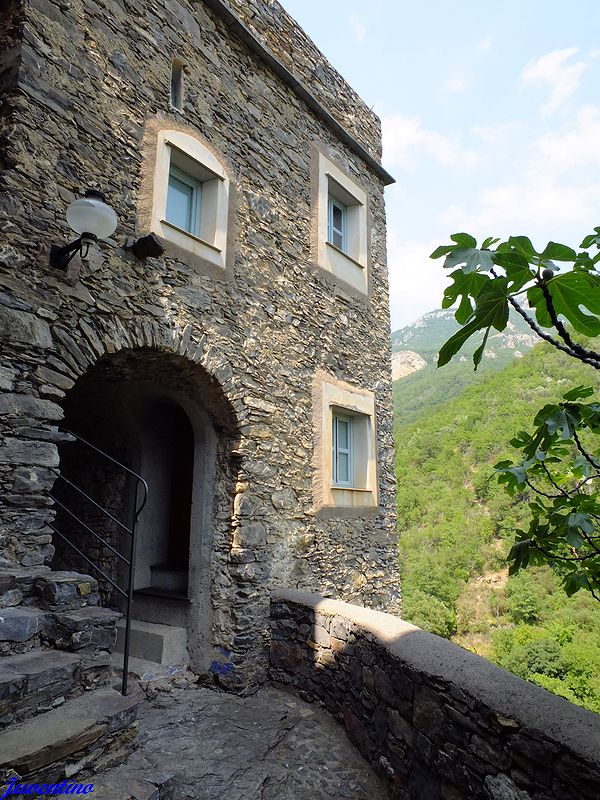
x,y
167,419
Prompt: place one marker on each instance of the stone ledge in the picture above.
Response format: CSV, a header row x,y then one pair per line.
x,y
35,681
340,654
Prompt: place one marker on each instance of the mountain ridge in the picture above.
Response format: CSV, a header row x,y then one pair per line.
x,y
427,334
419,386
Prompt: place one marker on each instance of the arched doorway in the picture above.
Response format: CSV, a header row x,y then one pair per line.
x,y
168,420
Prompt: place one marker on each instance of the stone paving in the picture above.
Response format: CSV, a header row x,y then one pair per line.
x,y
198,743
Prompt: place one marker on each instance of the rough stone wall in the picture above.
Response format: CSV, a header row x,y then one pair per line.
x,y
10,60
436,721
93,73
275,28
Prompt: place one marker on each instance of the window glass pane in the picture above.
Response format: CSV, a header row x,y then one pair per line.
x,y
337,224
180,202
342,451
342,434
338,218
338,240
343,470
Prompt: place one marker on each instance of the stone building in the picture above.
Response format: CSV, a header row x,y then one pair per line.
x,y
238,359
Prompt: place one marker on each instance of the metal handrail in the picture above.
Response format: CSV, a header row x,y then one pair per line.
x,y
127,593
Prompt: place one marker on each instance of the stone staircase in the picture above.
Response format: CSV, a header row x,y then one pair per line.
x,y
59,715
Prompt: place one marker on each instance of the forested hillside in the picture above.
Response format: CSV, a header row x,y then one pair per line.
x,y
427,387
456,525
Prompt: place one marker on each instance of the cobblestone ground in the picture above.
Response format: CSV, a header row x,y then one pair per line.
x,y
270,746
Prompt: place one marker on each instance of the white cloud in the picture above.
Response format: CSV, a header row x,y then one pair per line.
x,y
416,282
539,207
553,192
455,84
553,71
358,27
485,44
498,135
574,147
405,140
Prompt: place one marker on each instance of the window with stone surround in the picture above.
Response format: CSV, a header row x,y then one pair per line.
x,y
340,235
190,202
345,445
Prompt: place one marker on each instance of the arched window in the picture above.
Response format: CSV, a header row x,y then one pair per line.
x,y
190,197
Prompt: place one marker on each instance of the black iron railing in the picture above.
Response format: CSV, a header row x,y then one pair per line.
x,y
140,498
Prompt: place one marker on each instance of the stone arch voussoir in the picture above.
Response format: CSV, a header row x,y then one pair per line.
x,y
95,338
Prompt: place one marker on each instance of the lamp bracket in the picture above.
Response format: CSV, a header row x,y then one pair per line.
x,y
61,257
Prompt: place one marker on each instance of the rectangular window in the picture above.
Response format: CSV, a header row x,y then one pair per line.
x,y
342,450
177,85
183,201
337,224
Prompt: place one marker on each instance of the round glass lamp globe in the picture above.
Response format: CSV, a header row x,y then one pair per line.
x,y
90,214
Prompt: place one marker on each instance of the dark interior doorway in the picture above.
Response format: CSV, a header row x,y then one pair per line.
x,y
145,429
167,461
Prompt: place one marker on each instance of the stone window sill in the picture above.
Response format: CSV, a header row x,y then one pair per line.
x,y
190,236
349,498
345,255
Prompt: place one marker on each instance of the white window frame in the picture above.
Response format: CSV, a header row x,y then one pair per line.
x,y
337,450
195,209
193,158
331,228
349,263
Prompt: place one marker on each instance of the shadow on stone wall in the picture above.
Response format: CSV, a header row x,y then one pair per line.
x,y
435,721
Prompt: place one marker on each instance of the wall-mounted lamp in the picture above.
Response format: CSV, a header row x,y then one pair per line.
x,y
92,218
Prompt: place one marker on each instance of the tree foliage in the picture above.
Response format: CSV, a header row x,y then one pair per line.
x,y
456,524
558,464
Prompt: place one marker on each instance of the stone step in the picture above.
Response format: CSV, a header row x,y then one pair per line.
x,y
88,627
44,588
84,732
21,626
66,590
170,577
18,583
36,681
161,644
154,605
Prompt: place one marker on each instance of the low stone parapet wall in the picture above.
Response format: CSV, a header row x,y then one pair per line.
x,y
438,722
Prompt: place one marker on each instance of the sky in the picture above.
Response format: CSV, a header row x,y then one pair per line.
x,y
491,121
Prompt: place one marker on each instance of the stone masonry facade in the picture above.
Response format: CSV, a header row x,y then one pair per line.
x,y
84,86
